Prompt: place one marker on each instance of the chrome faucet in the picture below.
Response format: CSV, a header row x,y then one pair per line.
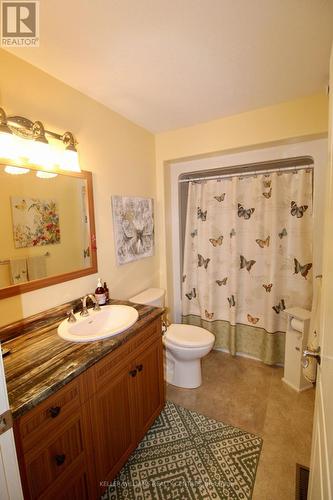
x,y
92,297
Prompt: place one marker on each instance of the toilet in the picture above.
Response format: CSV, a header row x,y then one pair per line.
x,y
185,345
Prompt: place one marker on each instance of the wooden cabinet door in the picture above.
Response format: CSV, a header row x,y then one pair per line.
x,y
149,383
112,423
76,490
74,487
45,464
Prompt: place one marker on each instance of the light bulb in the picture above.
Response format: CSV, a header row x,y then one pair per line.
x,y
39,154
9,147
16,170
70,161
45,175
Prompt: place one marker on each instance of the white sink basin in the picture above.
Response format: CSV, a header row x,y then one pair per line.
x,y
109,321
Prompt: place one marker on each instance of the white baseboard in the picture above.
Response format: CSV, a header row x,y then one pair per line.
x,y
245,355
296,388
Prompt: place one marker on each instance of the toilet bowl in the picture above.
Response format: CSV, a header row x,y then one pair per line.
x,y
185,345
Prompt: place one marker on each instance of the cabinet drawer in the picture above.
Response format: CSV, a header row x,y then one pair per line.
x,y
106,369
46,417
147,336
46,464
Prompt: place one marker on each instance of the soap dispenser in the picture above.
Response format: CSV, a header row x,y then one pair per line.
x,y
100,293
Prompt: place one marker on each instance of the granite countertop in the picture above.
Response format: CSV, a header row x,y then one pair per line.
x,y
40,362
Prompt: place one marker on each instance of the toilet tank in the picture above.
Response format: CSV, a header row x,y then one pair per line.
x,y
150,297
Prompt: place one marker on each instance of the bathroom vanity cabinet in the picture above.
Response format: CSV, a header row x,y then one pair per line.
x,y
74,443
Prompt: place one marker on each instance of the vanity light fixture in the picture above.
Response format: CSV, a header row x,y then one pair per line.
x,y
25,143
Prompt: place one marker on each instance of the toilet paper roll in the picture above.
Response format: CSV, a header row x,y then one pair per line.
x,y
297,324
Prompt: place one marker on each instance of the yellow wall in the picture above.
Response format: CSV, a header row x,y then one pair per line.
x,y
301,119
121,156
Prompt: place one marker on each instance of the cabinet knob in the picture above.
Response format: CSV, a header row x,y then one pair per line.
x,y
139,368
132,373
54,411
59,459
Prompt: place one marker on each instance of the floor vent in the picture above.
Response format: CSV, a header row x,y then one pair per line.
x,y
302,480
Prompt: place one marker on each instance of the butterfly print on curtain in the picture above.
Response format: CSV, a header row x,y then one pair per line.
x,y
302,269
232,301
298,211
202,261
279,307
209,315
220,197
245,212
263,243
217,242
252,320
283,233
192,294
267,194
246,264
201,215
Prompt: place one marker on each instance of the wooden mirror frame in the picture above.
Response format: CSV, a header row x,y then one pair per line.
x,y
12,290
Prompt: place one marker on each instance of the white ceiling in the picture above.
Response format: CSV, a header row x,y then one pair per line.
x,y
166,64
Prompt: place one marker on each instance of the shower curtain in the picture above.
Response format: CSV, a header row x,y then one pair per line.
x,y
248,257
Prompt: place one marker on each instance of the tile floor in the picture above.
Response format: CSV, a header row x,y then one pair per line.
x,y
251,396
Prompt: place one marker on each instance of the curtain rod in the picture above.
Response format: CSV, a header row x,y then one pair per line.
x,y
249,174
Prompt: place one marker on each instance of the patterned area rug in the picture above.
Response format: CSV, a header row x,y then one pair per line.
x,y
188,456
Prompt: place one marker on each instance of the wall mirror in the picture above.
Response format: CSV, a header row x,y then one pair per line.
x,y
47,230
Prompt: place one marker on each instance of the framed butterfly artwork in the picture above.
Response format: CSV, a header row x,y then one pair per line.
x,y
133,223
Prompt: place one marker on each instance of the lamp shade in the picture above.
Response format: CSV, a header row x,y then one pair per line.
x,y
70,161
40,154
9,149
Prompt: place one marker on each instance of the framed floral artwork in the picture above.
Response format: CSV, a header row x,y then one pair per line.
x,y
133,222
35,222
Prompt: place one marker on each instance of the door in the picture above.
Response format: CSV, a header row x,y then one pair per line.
x,y
149,386
10,482
321,467
113,432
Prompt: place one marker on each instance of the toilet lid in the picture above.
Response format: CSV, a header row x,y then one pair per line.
x,y
189,336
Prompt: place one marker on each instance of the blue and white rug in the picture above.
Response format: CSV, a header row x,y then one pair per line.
x,y
185,455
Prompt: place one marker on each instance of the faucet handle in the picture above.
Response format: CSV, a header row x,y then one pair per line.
x,y
84,311
71,316
97,307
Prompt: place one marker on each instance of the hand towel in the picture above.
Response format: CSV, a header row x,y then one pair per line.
x,y
36,267
18,271
310,372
